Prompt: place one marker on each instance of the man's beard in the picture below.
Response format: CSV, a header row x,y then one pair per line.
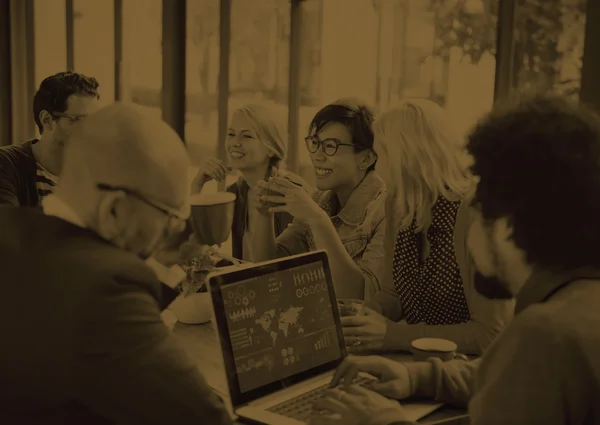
x,y
491,287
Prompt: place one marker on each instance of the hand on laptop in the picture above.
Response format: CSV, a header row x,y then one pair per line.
x,y
358,406
364,333
394,379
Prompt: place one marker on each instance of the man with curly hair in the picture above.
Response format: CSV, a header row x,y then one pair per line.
x,y
535,237
30,170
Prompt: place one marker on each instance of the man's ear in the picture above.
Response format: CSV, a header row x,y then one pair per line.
x,y
113,214
47,120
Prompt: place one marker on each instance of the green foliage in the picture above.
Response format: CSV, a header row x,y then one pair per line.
x,y
546,33
457,26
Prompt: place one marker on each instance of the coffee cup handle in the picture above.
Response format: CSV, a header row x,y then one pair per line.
x,y
461,356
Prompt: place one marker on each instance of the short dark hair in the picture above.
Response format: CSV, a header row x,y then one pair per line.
x,y
355,115
538,164
55,90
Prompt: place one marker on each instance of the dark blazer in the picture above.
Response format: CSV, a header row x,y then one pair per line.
x,y
82,337
18,173
240,217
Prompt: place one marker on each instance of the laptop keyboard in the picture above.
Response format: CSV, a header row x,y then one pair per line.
x,y
300,407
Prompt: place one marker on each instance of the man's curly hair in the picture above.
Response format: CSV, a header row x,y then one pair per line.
x,y
538,165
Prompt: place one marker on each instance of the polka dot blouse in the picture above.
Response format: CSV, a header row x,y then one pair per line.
x,y
431,290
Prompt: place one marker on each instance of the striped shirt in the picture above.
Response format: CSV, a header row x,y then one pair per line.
x,y
45,181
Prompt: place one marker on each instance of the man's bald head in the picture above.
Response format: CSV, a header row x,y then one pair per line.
x,y
143,167
124,145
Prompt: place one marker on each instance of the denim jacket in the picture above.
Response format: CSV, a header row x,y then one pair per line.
x,y
360,226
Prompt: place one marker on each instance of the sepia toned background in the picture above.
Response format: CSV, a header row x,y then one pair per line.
x,y
194,61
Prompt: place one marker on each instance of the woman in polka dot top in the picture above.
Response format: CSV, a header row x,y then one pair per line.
x,y
428,276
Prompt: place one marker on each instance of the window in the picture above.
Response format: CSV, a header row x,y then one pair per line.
x,y
50,38
141,68
94,50
260,55
445,51
202,75
338,59
382,51
311,78
259,58
548,51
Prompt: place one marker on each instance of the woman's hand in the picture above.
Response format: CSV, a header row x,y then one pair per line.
x,y
294,178
358,406
211,169
364,333
283,195
394,378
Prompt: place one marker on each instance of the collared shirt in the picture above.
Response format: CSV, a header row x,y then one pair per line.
x,y
544,368
360,226
45,181
52,205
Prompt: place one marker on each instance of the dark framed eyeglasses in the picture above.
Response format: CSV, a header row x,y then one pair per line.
x,y
72,118
329,146
176,218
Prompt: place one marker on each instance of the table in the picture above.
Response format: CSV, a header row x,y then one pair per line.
x,y
200,343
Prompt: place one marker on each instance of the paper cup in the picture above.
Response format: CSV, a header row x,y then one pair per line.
x,y
211,217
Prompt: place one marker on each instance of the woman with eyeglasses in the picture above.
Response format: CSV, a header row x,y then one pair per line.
x,y
345,216
428,279
256,146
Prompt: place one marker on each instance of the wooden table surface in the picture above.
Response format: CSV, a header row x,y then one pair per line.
x,y
200,343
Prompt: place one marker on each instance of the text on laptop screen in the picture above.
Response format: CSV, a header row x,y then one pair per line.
x,y
280,324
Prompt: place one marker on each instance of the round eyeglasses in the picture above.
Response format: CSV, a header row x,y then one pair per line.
x,y
329,146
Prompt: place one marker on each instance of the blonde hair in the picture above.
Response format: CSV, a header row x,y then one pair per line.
x,y
270,129
426,160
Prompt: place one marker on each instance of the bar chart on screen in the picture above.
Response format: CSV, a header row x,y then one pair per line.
x,y
323,342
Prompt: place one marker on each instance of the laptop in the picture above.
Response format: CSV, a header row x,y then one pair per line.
x,y
281,338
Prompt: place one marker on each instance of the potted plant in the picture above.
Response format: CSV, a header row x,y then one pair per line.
x,y
193,306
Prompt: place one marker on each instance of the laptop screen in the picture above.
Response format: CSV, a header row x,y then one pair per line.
x,y
278,324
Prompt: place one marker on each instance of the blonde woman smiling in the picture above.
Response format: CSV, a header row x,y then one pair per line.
x,y
428,279
256,146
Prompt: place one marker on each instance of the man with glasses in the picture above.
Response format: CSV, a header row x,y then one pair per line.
x,y
29,171
87,344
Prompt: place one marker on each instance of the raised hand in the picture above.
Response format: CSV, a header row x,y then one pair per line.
x,y
283,195
364,333
210,169
294,178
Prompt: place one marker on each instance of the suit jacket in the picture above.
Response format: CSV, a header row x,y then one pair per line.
x,y
83,341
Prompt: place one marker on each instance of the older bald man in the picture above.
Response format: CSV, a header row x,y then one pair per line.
x,y
82,338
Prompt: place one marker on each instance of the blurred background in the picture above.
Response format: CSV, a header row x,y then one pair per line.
x,y
195,61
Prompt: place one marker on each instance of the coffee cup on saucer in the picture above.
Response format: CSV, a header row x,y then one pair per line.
x,y
443,349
